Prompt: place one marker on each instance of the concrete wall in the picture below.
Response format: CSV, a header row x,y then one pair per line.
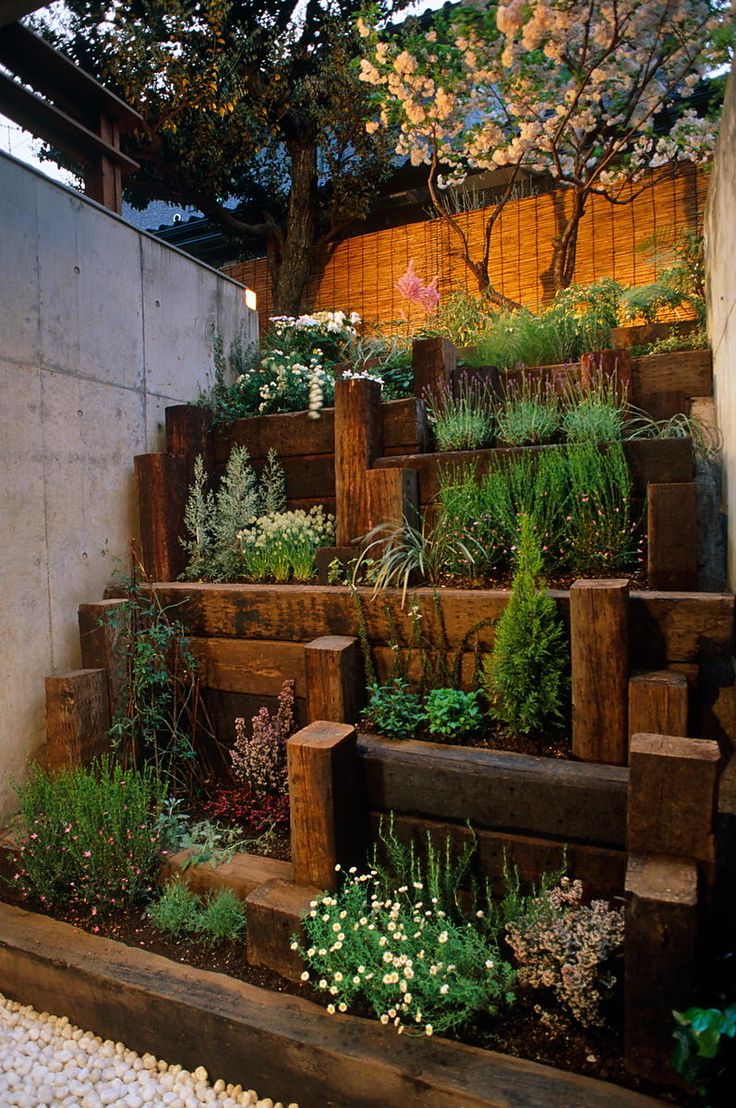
x,y
101,327
720,246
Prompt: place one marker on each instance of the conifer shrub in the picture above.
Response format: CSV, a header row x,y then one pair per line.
x,y
525,674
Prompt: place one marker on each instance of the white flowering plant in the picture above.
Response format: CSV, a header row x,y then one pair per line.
x,y
415,966
283,545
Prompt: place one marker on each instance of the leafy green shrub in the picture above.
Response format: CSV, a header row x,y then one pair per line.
x,y
221,917
561,944
393,710
92,836
176,909
463,421
282,546
218,917
452,713
705,1052
525,674
236,503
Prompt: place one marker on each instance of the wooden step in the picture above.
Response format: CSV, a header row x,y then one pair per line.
x,y
275,911
243,873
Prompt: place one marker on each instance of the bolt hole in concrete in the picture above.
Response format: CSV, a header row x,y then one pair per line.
x,y
47,1062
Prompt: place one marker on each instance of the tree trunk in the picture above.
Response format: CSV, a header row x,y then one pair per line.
x,y
291,261
565,250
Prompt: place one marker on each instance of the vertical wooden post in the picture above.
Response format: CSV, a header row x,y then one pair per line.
x,y
672,797
358,442
672,536
162,492
100,624
323,767
434,361
393,496
333,679
658,703
189,433
661,937
103,179
599,637
77,717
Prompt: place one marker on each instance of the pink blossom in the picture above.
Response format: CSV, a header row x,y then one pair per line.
x,y
410,286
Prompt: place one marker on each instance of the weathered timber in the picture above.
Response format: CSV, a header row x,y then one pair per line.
x,y
284,1043
189,434
649,460
663,384
672,796
245,666
672,536
103,627
393,497
242,874
601,869
565,801
358,442
77,717
433,361
324,803
639,334
275,911
292,434
658,703
599,641
661,934
333,678
664,627
161,481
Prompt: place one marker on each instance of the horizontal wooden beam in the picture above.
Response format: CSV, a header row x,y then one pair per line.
x,y
51,73
241,666
567,801
650,460
56,127
665,627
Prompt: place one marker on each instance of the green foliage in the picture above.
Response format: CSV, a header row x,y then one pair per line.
x,y
705,1052
705,438
176,910
525,675
237,503
461,317
528,416
579,320
92,837
599,534
452,713
597,415
681,282
388,357
209,843
245,533
221,917
407,552
217,918
463,421
693,340
161,720
393,710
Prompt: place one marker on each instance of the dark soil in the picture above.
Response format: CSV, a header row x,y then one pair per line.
x,y
595,1052
499,738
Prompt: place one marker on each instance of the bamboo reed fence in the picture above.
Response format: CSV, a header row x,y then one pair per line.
x,y
362,274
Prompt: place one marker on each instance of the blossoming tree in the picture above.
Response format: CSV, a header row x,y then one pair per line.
x,y
571,89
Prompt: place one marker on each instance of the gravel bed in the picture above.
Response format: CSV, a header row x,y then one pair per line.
x,y
47,1062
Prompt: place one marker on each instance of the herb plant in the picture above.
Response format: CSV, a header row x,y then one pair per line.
x,y
393,710
175,911
92,836
525,674
529,415
221,917
705,1052
452,714
462,421
215,918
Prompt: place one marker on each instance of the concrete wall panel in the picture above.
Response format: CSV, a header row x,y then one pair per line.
x,y
101,327
720,240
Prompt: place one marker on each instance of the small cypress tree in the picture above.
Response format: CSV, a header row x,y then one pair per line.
x,y
198,519
236,505
525,676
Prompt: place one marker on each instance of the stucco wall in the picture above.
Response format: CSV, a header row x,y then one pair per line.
x,y
101,327
720,245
